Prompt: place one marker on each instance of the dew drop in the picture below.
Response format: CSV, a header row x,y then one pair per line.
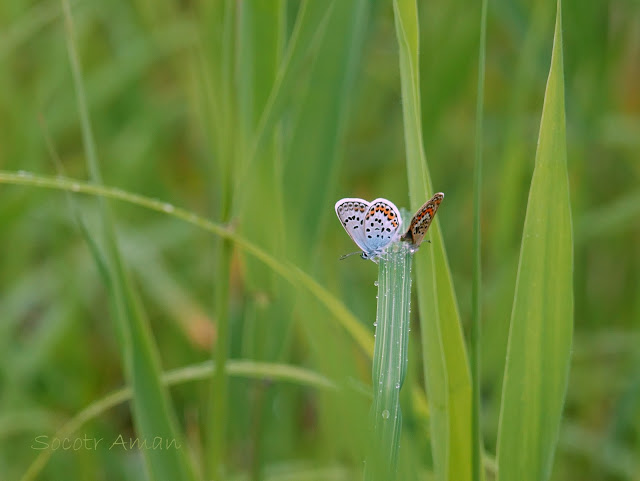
x,y
375,283
385,414
168,208
375,324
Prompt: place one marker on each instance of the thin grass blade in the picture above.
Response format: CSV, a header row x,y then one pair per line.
x,y
288,271
476,281
197,372
153,415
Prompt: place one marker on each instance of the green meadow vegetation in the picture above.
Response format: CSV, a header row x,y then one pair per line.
x,y
172,303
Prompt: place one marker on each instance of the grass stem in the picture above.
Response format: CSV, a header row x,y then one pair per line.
x,y
476,284
389,360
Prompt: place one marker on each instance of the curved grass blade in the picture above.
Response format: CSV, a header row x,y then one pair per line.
x,y
537,367
445,358
291,273
198,372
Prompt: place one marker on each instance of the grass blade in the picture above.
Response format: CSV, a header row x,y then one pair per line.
x,y
198,372
445,357
476,281
291,273
152,411
536,372
390,360
308,32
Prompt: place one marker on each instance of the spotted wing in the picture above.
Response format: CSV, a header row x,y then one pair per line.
x,y
351,213
381,224
422,220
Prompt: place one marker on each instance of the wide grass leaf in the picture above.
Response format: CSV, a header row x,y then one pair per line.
x,y
445,358
536,372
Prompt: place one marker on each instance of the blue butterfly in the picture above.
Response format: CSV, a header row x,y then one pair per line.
x,y
372,225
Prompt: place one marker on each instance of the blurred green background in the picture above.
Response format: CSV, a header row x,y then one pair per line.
x,y
190,104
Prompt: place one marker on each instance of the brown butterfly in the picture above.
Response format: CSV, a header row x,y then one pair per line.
x,y
422,220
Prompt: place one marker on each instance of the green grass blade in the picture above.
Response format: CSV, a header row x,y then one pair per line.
x,y
324,111
540,335
308,32
476,281
291,273
445,358
390,360
231,152
512,162
219,387
198,372
152,411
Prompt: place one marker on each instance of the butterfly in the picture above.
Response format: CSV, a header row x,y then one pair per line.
x,y
371,225
422,220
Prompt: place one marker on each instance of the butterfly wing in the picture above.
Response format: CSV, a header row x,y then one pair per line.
x,y
422,220
381,224
351,213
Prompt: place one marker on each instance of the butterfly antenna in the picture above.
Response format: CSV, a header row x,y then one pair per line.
x,y
349,255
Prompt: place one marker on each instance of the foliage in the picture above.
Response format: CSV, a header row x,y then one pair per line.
x,y
259,115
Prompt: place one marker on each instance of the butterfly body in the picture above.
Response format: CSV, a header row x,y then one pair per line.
x,y
422,220
371,225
